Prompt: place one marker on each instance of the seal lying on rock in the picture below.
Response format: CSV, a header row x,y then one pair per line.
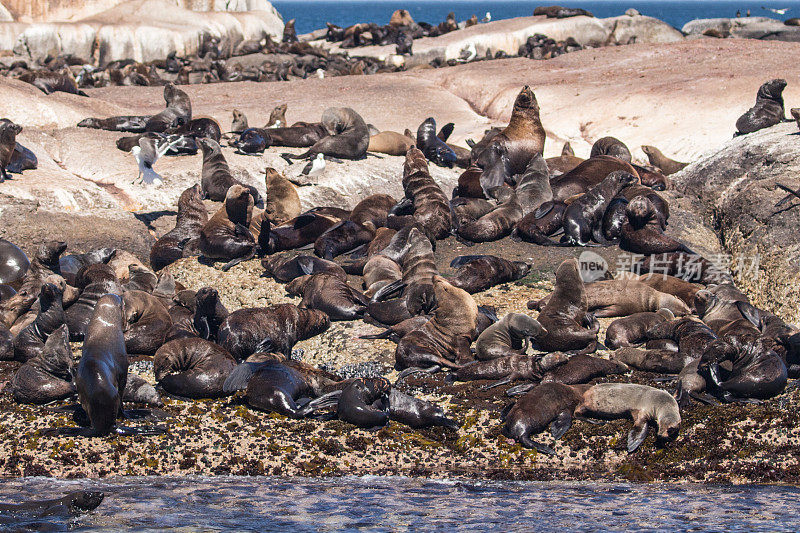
x,y
225,236
665,164
184,239
329,294
192,368
46,377
645,405
508,336
477,273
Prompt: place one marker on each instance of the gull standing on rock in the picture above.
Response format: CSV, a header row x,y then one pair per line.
x,y
146,154
315,167
487,18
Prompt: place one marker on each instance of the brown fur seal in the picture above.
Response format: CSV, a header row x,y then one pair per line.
x,y
300,231
508,368
8,142
49,82
340,238
147,323
30,342
464,211
499,222
659,360
70,265
130,124
225,236
548,404
611,146
686,266
216,174
641,403
642,232
564,317
423,195
671,285
277,117
14,264
192,368
329,294
583,368
177,113
140,278
609,298
508,336
631,330
665,164
445,339
283,203
390,142
269,329
356,402
417,413
44,264
239,122
537,226
72,504
583,217
768,110
46,377
372,211
347,135
184,239
121,262
469,183
285,268
533,186
586,175
432,146
94,281
477,273
523,137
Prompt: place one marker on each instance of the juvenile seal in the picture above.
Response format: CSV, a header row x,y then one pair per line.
x,y
583,217
239,122
71,264
390,142
477,273
347,135
216,174
44,264
434,148
611,146
300,231
582,368
269,329
192,368
355,403
548,404
226,235
508,336
643,404
665,164
523,137
284,268
499,222
587,175
130,124
417,413
609,298
283,203
329,294
631,330
768,110
537,226
277,117
564,317
533,186
8,142
30,342
509,368
46,377
178,111
677,287
184,239
147,322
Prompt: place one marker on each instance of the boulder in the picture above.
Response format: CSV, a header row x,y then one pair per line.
x,y
743,27
736,187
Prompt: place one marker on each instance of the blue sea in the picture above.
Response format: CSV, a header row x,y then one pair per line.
x,y
313,14
400,504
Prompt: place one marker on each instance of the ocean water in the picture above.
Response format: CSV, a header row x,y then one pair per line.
x,y
313,14
402,504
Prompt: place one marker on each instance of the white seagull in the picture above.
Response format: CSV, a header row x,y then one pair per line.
x,y
487,18
146,154
320,73
315,167
777,11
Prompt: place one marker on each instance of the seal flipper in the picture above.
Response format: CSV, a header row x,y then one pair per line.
x,y
417,370
388,290
636,437
147,431
541,448
464,259
403,207
561,424
239,376
520,389
750,313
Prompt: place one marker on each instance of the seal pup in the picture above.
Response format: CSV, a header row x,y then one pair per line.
x,y
347,136
582,217
226,235
508,368
533,186
130,124
30,342
184,239
329,294
611,146
192,368
548,404
71,264
147,322
277,117
631,330
477,273
609,298
565,316
586,175
424,196
499,222
285,268
355,404
216,174
523,137
417,413
8,142
434,148
582,368
645,405
391,143
239,122
44,264
300,231
283,203
269,329
508,336
767,111
642,232
46,377
666,165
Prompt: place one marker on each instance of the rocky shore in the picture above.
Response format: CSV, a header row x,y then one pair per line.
x,y
682,96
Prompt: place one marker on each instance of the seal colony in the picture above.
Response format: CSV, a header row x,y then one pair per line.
x,y
533,371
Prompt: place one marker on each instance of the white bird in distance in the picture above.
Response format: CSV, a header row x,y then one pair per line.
x,y
781,11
